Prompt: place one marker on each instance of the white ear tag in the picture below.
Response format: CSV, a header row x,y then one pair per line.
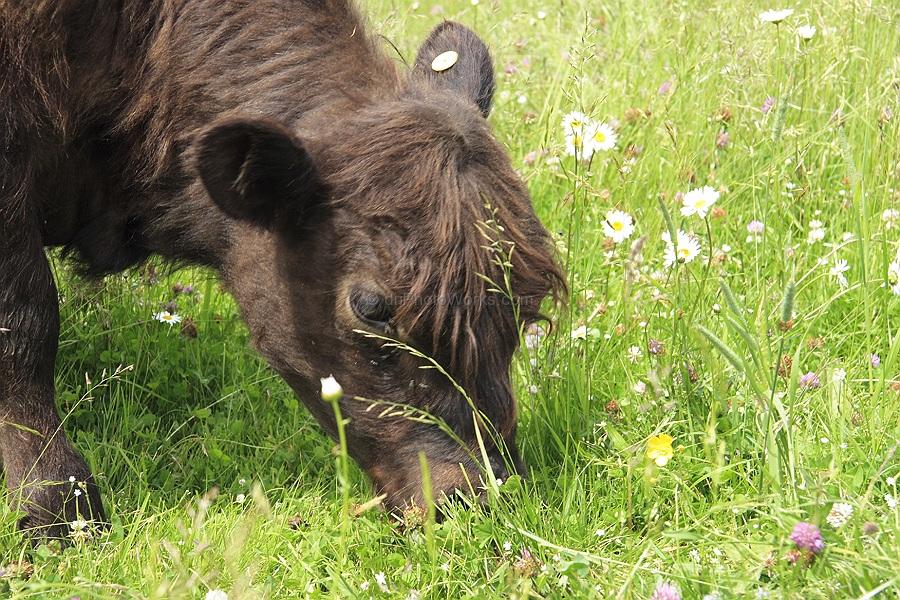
x,y
444,61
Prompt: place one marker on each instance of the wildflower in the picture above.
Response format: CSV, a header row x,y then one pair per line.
x,y
665,591
526,565
659,449
618,225
216,595
698,201
806,32
685,250
807,537
240,498
640,388
755,230
167,317
655,347
875,361
839,515
713,596
816,232
381,580
870,529
634,354
664,87
839,376
722,140
767,105
331,389
533,336
775,16
575,122
837,271
809,381
364,586
893,276
891,481
601,137
891,218
890,501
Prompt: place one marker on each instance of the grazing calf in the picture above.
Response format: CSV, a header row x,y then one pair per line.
x,y
337,195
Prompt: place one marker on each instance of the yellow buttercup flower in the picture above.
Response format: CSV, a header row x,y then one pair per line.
x,y
659,449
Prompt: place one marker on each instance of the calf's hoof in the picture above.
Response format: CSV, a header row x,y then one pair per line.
x,y
66,508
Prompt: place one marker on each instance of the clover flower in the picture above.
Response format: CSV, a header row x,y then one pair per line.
x,y
810,381
665,591
839,515
755,230
807,536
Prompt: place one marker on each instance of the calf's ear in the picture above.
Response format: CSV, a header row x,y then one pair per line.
x,y
472,75
256,170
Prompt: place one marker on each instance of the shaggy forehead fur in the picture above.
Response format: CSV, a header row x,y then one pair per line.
x,y
432,161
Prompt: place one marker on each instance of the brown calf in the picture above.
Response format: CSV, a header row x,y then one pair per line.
x,y
274,141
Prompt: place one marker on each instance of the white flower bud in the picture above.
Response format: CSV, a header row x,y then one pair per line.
x,y
331,389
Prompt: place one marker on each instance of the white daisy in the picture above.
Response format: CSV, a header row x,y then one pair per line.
x,y
575,122
331,389
806,32
699,201
775,16
838,269
601,137
575,146
686,248
618,225
167,317
216,595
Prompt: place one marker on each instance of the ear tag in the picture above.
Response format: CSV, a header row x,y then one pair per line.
x,y
444,61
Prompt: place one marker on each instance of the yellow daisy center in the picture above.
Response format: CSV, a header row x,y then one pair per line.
x,y
575,124
577,140
685,252
618,225
599,137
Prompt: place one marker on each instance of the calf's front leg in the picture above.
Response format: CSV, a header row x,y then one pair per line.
x,y
47,479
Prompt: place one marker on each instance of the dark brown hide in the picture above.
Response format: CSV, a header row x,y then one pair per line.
x,y
274,141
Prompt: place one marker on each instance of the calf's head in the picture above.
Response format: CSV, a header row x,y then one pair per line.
x,y
401,220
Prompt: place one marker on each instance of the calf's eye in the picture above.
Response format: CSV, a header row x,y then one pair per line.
x,y
371,308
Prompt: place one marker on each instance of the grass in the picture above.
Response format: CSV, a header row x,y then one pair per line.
x,y
189,425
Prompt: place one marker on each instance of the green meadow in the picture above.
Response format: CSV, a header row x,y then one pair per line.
x,y
691,404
